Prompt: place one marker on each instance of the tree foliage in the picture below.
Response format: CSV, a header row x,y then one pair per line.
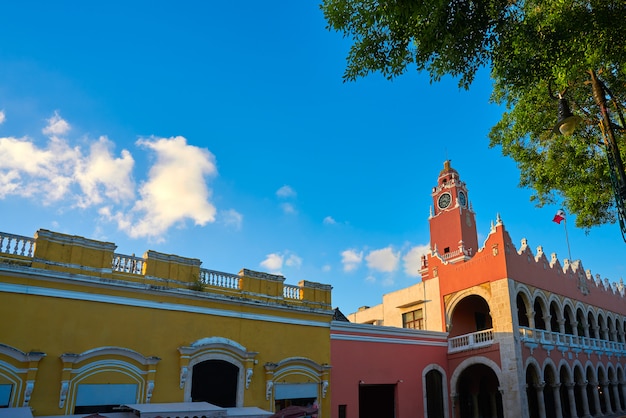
x,y
535,50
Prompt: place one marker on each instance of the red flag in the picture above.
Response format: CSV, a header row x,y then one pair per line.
x,y
560,216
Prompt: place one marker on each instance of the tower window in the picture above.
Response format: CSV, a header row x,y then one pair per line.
x,y
446,250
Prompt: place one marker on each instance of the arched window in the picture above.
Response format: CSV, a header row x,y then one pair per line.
x,y
434,394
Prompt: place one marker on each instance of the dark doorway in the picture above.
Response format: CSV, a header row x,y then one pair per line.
x,y
215,382
377,401
434,394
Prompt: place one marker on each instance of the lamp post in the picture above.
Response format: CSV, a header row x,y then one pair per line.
x,y
567,123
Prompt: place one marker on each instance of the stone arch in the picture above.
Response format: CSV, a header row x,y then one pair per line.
x,y
296,371
110,365
524,306
18,371
460,296
217,348
541,309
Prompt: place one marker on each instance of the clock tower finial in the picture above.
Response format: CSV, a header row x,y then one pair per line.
x,y
452,223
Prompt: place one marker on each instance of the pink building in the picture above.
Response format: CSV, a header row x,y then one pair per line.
x,y
526,334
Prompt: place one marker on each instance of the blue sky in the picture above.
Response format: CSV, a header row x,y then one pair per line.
x,y
223,131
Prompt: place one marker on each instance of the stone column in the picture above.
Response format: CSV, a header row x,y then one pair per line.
x,y
596,398
571,397
585,400
455,402
607,396
557,400
531,319
615,387
585,330
493,402
561,325
475,411
623,387
540,399
548,321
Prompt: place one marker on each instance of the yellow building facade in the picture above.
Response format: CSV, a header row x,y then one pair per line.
x,y
85,329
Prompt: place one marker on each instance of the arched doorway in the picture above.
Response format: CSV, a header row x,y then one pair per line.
x,y
478,393
215,382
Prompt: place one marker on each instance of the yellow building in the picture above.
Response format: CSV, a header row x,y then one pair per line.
x,y
85,329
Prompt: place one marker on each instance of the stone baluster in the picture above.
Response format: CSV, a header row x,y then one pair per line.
x,y
571,397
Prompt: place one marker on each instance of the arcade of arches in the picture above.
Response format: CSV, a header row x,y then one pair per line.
x,y
587,376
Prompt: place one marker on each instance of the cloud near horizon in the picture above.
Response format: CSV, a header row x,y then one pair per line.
x,y
174,191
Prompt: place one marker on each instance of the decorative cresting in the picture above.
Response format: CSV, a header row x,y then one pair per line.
x,y
296,370
19,369
217,348
106,365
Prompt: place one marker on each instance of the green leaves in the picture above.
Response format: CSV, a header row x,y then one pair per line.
x,y
535,50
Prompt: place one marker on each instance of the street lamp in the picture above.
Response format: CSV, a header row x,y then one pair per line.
x,y
566,125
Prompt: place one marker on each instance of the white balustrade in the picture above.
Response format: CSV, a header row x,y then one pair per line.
x,y
219,279
291,292
127,264
16,244
470,341
540,336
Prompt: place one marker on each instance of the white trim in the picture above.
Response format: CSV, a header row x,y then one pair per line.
x,y
384,330
365,338
142,303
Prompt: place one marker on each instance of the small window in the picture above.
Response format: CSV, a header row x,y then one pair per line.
x,y
413,319
446,250
5,395
104,397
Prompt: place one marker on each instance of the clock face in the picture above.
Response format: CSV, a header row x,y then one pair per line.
x,y
444,200
462,199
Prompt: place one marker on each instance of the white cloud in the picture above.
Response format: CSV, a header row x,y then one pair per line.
x,y
293,261
351,259
326,268
56,126
413,259
101,175
384,260
273,262
285,192
288,208
329,221
232,218
176,188
2,117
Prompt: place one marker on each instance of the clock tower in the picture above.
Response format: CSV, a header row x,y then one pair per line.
x,y
452,222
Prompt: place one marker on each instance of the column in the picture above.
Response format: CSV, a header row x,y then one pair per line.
x,y
561,325
531,319
614,386
475,411
585,400
571,397
596,398
493,403
557,400
548,321
455,402
607,397
540,399
623,387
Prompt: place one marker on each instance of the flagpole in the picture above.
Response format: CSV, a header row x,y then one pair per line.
x,y
569,253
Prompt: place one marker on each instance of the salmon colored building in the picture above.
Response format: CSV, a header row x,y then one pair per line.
x,y
527,335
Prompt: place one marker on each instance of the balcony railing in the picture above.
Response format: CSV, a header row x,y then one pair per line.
x,y
127,264
219,279
16,245
471,341
569,341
